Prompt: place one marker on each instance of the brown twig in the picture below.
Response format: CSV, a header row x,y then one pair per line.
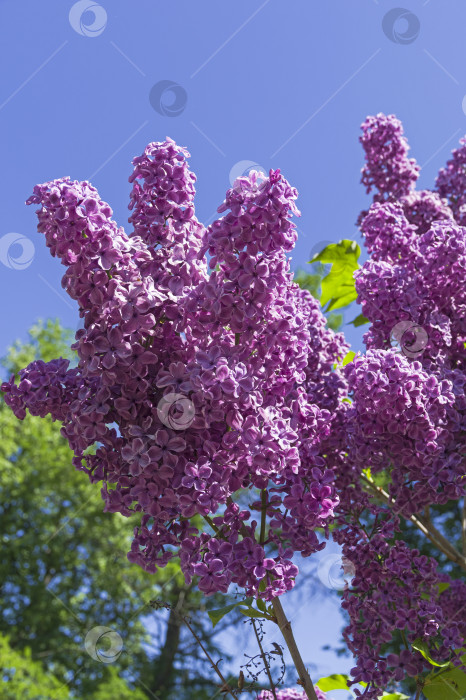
x,y
287,632
285,628
424,526
225,686
264,659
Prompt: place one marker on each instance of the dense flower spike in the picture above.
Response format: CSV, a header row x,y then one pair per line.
x,y
193,386
423,286
209,394
162,200
388,168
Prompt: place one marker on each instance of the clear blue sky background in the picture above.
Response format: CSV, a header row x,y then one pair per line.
x,y
280,84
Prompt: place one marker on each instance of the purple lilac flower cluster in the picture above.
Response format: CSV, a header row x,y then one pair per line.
x,y
193,387
394,589
423,286
406,416
388,168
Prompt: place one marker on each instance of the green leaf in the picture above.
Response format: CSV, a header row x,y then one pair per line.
x,y
216,615
335,321
442,586
395,696
22,677
367,473
338,287
252,612
345,251
423,649
446,685
311,282
349,357
261,605
337,681
359,321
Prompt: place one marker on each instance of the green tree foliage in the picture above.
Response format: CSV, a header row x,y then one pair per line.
x,y
65,569
22,677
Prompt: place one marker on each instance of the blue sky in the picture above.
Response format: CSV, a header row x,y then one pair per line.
x,y
280,84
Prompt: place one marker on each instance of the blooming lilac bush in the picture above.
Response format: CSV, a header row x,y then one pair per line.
x,y
209,394
406,421
236,343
